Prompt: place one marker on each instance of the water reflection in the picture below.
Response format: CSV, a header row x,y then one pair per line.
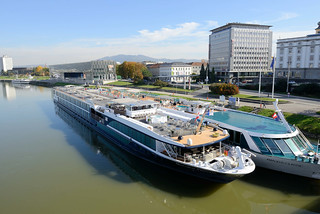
x,y
283,182
9,92
22,86
136,169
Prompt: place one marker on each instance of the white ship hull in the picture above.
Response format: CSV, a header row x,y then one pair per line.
x,y
305,169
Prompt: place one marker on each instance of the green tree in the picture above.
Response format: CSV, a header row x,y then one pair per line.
x,y
145,72
281,85
203,74
46,71
160,83
196,78
212,77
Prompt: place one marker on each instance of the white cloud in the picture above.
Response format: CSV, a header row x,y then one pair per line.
x,y
282,17
183,30
285,16
187,40
211,24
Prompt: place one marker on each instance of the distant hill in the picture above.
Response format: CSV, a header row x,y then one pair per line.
x,y
140,58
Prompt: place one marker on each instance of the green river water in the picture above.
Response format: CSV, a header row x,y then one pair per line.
x,y
50,163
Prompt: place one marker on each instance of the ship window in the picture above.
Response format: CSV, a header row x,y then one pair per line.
x,y
298,142
292,146
283,146
243,142
272,146
260,144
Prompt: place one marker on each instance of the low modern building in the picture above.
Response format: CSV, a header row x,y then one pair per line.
x,y
6,63
22,70
99,71
171,72
240,51
300,57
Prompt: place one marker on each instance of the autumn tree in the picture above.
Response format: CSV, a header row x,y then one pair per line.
x,y
38,71
132,70
41,71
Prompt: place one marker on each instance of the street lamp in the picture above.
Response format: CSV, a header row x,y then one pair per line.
x,y
289,61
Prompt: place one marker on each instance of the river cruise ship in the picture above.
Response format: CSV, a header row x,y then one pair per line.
x,y
276,145
162,135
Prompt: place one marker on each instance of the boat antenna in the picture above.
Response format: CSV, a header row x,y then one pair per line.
x,y
200,123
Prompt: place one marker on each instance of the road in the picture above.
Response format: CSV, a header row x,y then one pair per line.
x,y
300,105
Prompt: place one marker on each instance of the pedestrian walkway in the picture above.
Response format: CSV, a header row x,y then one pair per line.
x,y
297,105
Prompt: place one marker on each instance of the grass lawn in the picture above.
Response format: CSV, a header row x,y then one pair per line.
x,y
254,97
120,83
148,86
176,89
7,77
305,123
245,108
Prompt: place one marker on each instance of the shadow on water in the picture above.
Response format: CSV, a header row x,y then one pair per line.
x,y
135,169
286,183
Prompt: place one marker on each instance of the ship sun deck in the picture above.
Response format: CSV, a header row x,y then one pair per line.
x,y
208,135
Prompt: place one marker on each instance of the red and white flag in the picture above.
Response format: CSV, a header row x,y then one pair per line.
x,y
197,116
275,116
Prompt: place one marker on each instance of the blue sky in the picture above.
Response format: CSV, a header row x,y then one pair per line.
x,y
62,31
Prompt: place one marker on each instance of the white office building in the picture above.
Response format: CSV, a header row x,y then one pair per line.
x,y
300,56
171,72
6,63
240,51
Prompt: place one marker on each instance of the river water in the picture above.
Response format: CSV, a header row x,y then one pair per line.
x,y
50,163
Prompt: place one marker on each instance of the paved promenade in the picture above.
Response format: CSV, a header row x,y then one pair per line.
x,y
299,105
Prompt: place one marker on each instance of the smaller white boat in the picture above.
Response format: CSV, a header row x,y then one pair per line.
x,y
22,81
